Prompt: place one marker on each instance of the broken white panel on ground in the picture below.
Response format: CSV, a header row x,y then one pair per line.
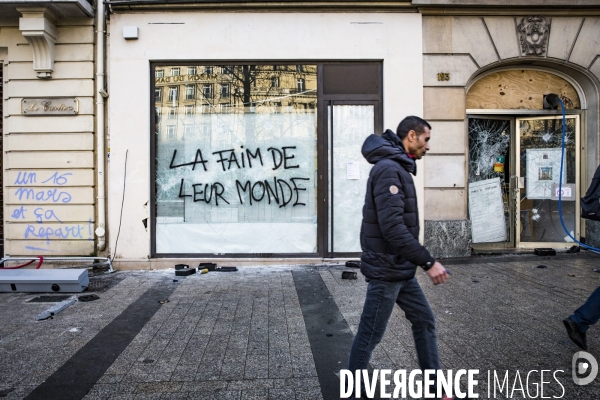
x,y
44,280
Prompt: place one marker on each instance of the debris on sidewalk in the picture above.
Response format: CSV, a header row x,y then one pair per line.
x,y
88,297
541,266
352,264
185,271
208,266
181,266
164,301
226,269
544,252
348,275
55,309
574,249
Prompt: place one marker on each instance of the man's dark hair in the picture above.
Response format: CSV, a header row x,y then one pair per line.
x,y
411,123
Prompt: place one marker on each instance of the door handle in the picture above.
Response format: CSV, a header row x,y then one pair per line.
x,y
517,182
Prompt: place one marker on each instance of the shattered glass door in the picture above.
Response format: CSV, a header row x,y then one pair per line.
x,y
539,169
490,205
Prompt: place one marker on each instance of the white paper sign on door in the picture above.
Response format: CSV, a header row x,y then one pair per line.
x,y
486,210
352,170
543,171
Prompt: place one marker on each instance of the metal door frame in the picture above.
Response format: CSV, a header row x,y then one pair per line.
x,y
514,206
510,243
577,232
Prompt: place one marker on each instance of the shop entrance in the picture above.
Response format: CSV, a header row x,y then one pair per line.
x,y
514,172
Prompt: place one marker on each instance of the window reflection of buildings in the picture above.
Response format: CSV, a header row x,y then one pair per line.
x,y
197,90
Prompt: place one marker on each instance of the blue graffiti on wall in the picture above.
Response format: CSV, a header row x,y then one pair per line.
x,y
44,215
45,195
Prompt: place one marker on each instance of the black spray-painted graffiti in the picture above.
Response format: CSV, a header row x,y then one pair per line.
x,y
277,190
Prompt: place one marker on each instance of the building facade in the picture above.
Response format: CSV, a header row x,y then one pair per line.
x,y
255,149
494,178
233,130
47,54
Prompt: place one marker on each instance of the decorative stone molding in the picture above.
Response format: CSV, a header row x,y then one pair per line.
x,y
533,35
37,26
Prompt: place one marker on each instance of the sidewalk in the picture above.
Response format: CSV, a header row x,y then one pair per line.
x,y
283,332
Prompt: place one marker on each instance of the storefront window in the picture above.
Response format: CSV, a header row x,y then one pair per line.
x,y
239,177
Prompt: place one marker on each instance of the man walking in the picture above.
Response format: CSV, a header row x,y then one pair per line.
x,y
391,250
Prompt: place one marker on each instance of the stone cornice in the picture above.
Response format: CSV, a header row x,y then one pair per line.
x,y
511,11
124,6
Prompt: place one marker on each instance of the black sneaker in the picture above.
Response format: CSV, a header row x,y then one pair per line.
x,y
575,334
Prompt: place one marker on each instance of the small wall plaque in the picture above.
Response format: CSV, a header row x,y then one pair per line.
x,y
50,106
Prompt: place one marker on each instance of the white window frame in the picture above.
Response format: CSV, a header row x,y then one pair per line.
x,y
301,84
173,93
175,71
189,110
190,92
192,70
208,86
225,90
171,132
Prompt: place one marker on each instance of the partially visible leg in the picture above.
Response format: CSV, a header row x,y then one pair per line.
x,y
379,303
413,302
589,313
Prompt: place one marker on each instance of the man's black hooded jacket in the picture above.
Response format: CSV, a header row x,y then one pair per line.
x,y
389,234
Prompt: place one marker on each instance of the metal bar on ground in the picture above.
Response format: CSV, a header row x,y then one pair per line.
x,y
106,261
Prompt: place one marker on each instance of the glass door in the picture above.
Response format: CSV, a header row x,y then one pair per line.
x,y
491,166
349,124
539,171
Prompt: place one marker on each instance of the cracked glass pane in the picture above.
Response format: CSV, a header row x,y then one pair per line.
x,y
489,160
540,165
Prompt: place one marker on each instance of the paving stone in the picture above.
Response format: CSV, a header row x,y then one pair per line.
x,y
278,394
255,394
251,384
174,396
204,386
158,387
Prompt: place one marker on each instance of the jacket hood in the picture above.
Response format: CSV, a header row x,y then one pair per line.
x,y
387,146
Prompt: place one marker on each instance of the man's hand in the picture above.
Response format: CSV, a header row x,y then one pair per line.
x,y
437,273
